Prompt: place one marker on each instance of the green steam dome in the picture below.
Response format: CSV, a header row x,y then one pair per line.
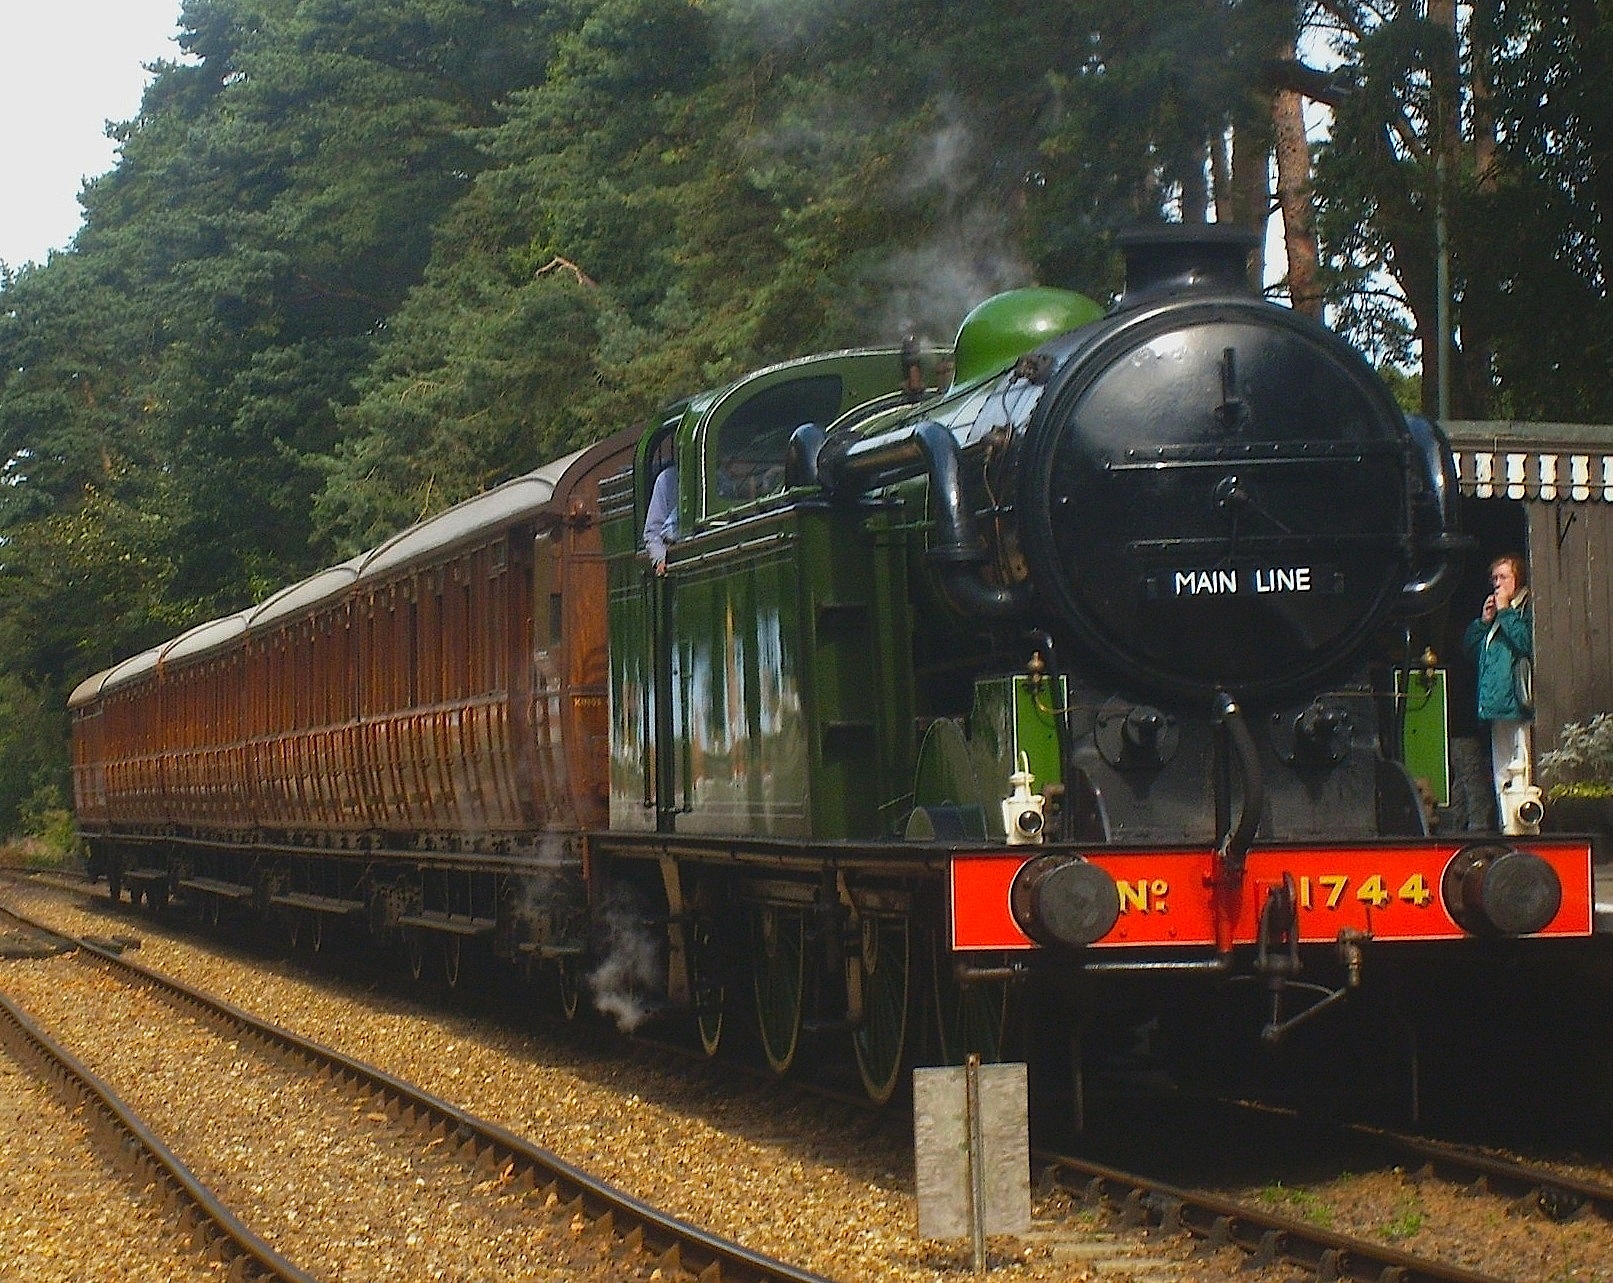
x,y
1005,327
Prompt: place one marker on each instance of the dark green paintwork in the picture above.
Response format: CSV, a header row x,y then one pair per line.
x,y
779,642
790,682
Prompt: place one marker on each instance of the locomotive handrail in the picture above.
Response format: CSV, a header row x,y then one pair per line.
x,y
1199,455
1318,540
957,549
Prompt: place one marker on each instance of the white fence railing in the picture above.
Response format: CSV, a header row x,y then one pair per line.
x,y
1547,475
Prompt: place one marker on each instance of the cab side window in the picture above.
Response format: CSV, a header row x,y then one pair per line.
x,y
755,439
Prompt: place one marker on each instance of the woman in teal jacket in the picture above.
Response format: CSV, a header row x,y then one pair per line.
x,y
1501,637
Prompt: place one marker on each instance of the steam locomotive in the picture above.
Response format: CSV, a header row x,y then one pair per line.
x,y
1067,665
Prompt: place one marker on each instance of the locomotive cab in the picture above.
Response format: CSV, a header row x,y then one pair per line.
x,y
759,686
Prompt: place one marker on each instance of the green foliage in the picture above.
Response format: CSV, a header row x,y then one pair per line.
x,y
1582,763
1549,286
444,415
1516,165
1407,1221
47,819
85,586
171,388
1302,1204
1406,387
33,755
1376,179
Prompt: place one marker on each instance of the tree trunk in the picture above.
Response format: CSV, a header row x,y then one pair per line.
x,y
1484,141
1195,188
1294,199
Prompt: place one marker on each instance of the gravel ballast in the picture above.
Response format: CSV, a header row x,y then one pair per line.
x,y
826,1187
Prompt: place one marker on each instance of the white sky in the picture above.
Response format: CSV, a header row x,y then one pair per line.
x,y
67,67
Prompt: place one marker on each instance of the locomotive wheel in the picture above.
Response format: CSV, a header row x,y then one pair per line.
x,y
969,1018
881,1039
316,932
780,975
707,990
415,948
114,885
568,980
453,960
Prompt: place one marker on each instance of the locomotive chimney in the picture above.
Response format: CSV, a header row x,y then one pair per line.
x,y
1175,258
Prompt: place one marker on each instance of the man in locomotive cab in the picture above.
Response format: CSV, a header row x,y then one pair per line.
x,y
661,516
753,442
743,477
734,481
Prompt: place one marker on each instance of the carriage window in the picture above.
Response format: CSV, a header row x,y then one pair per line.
x,y
545,588
411,668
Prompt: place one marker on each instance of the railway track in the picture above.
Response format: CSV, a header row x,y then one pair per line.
x,y
609,1232
120,1134
1215,1244
1534,1188
845,1133
21,939
1265,1239
1476,1215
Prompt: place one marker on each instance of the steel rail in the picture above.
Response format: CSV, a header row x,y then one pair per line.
x,y
1557,1195
132,1145
477,1142
1268,1239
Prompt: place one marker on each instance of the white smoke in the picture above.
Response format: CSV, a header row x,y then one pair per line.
x,y
549,904
627,983
960,247
965,255
928,289
941,161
